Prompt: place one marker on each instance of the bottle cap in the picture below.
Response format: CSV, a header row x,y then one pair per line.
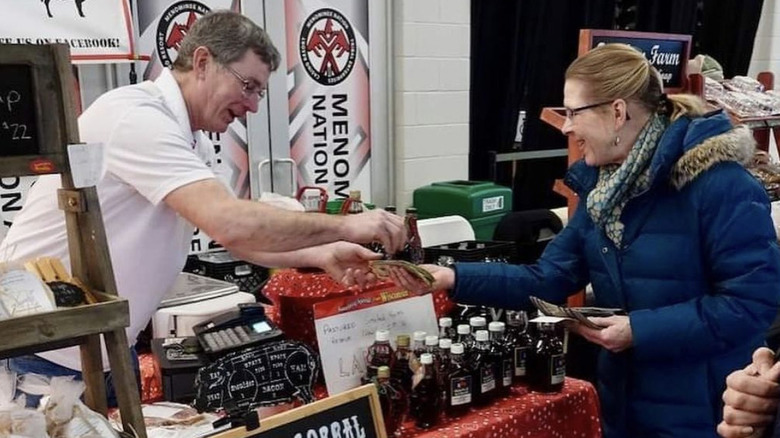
x,y
445,343
432,340
457,348
418,335
445,322
383,372
354,194
482,335
477,321
411,210
496,326
402,340
382,335
464,329
426,358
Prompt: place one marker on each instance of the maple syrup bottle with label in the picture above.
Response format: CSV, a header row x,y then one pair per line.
x,y
519,341
547,363
427,395
501,355
482,368
401,372
379,353
392,400
458,384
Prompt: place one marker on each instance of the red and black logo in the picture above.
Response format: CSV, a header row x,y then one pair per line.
x,y
327,46
174,24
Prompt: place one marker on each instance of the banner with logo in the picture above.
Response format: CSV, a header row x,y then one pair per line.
x,y
96,31
163,24
328,93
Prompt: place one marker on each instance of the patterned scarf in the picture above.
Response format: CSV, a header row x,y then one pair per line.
x,y
618,183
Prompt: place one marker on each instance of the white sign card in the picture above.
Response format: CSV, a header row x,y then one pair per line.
x,y
346,327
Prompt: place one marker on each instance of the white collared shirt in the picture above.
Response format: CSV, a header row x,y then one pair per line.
x,y
151,150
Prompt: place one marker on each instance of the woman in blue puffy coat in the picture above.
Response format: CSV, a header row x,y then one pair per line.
x,y
671,228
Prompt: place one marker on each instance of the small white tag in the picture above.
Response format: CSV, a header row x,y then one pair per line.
x,y
495,203
87,165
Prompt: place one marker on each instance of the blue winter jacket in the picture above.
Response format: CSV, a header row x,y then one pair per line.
x,y
699,276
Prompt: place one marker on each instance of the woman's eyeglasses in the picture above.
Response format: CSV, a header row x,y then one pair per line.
x,y
571,112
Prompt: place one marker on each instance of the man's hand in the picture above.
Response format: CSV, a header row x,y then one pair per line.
x,y
751,397
376,226
616,335
341,259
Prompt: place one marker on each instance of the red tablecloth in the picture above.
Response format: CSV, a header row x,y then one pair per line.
x,y
574,412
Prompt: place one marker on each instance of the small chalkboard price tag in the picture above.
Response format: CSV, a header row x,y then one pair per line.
x,y
355,413
18,120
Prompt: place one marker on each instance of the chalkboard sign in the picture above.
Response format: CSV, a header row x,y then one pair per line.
x,y
355,413
668,53
265,375
18,121
37,111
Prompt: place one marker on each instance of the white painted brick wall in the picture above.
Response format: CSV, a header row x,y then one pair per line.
x,y
766,49
431,69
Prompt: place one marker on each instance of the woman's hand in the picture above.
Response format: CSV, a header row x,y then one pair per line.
x,y
751,397
443,278
616,335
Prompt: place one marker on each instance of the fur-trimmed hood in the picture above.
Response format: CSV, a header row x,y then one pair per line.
x,y
737,145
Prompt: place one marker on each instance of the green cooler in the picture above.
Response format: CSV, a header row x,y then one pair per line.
x,y
482,203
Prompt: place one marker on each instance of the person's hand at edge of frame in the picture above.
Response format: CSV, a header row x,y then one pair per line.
x,y
376,226
348,263
751,397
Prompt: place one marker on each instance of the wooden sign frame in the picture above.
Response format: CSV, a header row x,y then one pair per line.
x,y
269,426
591,37
52,98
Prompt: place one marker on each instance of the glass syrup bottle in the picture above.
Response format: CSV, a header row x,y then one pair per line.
x,y
547,364
427,395
465,337
446,330
482,368
401,372
520,341
392,400
379,353
501,355
459,384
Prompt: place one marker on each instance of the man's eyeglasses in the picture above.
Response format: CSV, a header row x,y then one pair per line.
x,y
571,112
249,90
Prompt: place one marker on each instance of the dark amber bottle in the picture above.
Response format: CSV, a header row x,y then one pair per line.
x,y
465,337
427,395
501,356
520,341
401,371
392,400
379,353
482,368
458,384
547,364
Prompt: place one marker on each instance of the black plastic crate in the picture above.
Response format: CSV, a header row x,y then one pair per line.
x,y
472,251
222,266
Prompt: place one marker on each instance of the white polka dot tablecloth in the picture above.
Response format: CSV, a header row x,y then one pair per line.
x,y
572,413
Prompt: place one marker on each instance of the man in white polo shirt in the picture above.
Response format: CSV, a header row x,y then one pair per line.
x,y
160,185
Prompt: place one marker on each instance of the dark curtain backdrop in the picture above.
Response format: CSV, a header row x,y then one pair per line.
x,y
520,50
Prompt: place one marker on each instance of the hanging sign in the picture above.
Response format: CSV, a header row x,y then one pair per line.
x,y
95,31
328,93
668,53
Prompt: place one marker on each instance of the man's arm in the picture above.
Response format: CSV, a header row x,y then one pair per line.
x,y
247,227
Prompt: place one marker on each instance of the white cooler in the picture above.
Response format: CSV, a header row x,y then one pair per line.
x,y
194,299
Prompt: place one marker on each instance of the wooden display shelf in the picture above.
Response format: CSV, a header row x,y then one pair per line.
x,y
62,327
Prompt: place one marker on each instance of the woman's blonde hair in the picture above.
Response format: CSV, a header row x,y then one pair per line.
x,y
618,71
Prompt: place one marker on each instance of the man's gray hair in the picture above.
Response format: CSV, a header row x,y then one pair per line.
x,y
227,35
